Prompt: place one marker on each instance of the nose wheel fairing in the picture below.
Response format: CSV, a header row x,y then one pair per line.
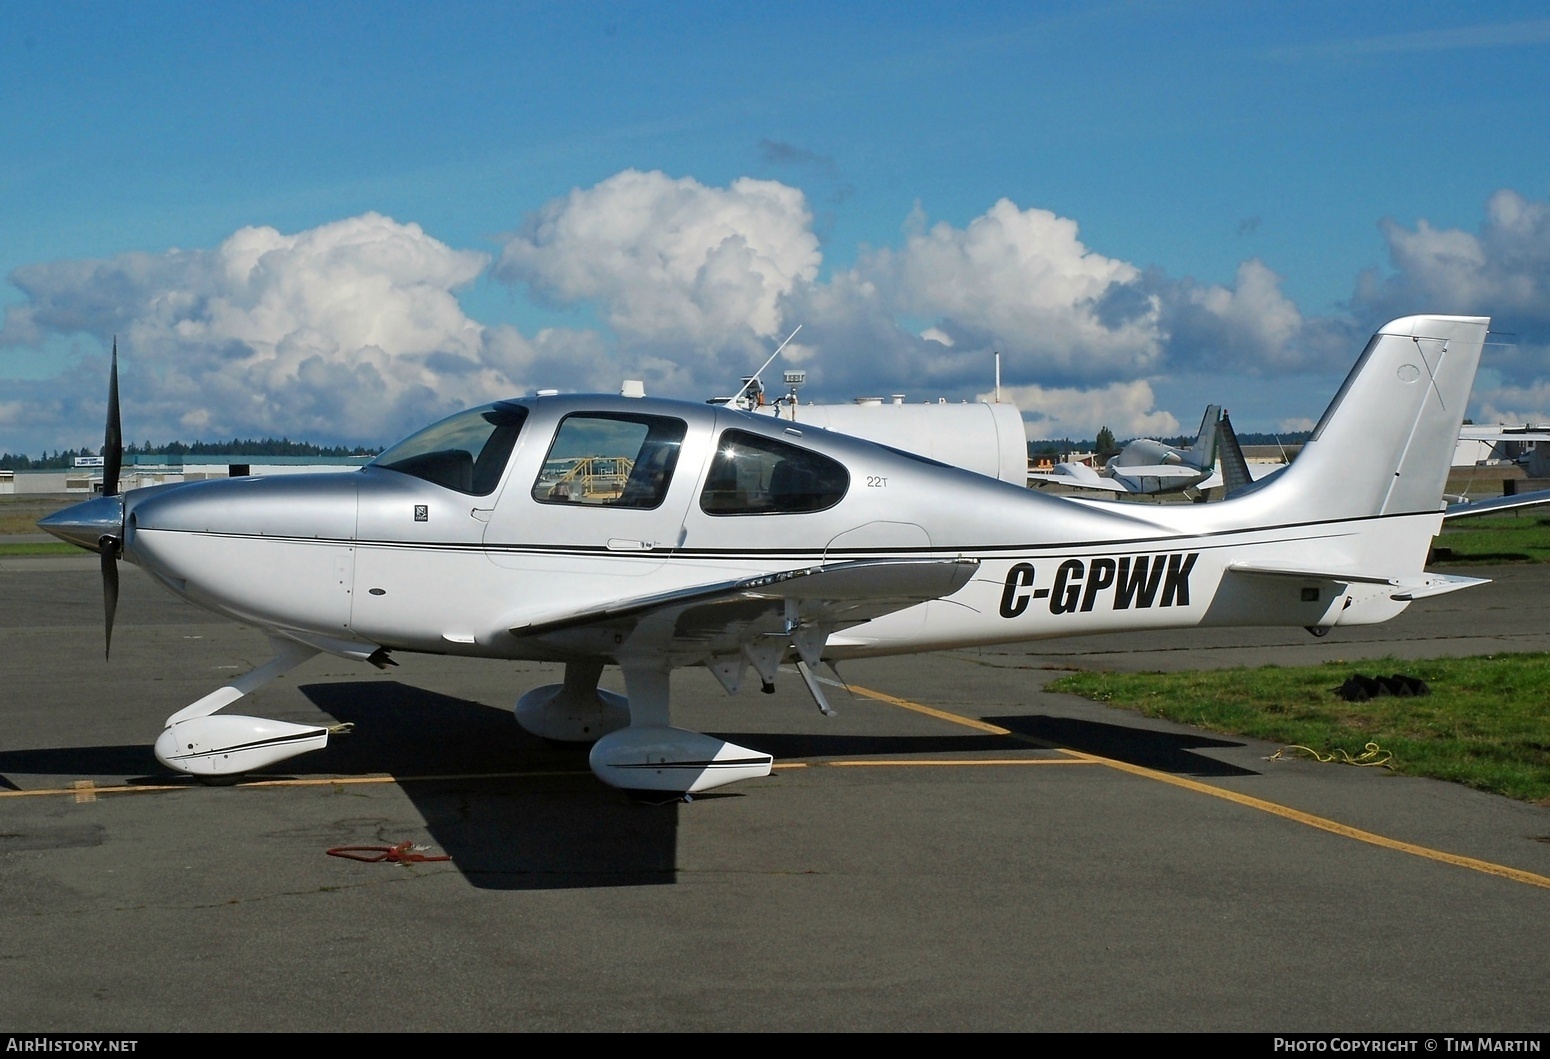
x,y
197,743
231,744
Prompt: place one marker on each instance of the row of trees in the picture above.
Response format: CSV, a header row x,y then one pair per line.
x,y
49,461
1105,444
64,459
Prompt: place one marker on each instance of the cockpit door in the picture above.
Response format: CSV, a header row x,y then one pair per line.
x,y
608,486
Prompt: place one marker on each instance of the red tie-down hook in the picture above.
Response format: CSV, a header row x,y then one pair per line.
x,y
403,853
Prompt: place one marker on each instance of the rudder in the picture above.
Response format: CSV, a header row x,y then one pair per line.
x,y
1386,442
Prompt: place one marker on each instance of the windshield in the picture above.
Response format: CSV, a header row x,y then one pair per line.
x,y
466,452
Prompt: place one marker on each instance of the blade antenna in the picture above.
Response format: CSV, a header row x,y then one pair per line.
x,y
736,396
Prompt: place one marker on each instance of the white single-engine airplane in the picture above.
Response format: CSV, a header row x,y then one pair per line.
x,y
653,534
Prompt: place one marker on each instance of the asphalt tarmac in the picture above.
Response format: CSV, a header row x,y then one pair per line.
x,y
1017,860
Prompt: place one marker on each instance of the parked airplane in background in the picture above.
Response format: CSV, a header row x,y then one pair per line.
x,y
1527,433
1523,445
1147,466
650,534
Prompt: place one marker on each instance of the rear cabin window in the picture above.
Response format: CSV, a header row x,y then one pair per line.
x,y
605,459
467,452
754,475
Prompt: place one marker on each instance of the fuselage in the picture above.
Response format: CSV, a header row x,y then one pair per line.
x,y
550,506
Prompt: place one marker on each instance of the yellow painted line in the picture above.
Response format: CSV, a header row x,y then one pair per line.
x,y
777,766
940,715
339,781
1327,825
963,763
1275,809
56,791
86,791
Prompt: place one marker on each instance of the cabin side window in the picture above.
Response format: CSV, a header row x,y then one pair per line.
x,y
754,475
467,452
604,459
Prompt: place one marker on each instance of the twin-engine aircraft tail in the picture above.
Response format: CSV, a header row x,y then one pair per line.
x,y
1386,442
1203,453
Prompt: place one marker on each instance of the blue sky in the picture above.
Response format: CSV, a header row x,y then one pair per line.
x,y
336,221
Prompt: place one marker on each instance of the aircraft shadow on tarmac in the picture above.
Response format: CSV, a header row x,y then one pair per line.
x,y
517,813
543,821
1163,751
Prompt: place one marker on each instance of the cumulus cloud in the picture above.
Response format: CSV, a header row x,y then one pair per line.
x,y
1022,279
353,331
707,279
671,263
1249,326
1502,269
1124,407
348,331
1514,405
1022,282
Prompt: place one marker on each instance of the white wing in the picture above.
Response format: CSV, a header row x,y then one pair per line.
x,y
758,620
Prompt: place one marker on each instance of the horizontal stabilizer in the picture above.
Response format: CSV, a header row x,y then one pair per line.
x,y
1405,589
1106,484
1307,574
1473,432
1161,470
1435,585
1496,505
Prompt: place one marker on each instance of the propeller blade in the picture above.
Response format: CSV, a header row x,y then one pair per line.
x,y
109,590
113,436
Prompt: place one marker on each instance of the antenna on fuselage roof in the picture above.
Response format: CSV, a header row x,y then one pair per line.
x,y
754,378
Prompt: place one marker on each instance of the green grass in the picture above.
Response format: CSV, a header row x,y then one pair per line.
x,y
39,548
1523,538
1485,724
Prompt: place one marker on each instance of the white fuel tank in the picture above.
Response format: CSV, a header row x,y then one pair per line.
x,y
985,438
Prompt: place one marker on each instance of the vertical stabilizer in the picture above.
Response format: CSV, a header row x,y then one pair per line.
x,y
1235,469
1386,442
1203,453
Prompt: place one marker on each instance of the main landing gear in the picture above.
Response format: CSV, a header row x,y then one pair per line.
x,y
636,749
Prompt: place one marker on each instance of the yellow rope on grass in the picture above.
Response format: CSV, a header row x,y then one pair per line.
x,y
1375,756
